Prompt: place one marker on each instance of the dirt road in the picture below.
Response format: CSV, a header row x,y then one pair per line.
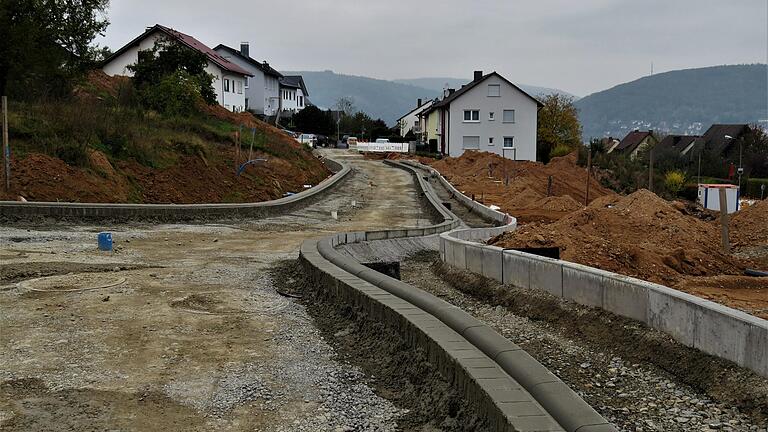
x,y
181,329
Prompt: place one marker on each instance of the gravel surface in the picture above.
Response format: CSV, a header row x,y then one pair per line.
x,y
196,338
635,395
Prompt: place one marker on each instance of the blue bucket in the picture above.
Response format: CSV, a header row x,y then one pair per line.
x,y
105,241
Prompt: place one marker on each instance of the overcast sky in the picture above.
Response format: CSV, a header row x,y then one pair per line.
x,y
580,46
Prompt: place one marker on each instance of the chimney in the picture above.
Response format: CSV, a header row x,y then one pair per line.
x,y
451,91
478,75
418,103
266,64
245,49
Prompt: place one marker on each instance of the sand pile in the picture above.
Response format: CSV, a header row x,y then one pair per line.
x,y
750,225
640,235
484,175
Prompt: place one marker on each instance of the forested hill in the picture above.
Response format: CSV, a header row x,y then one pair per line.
x,y
684,101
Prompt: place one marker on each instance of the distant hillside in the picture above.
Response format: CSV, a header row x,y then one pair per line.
x,y
387,100
437,84
378,98
685,101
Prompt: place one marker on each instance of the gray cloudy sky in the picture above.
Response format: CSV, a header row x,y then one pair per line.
x,y
580,46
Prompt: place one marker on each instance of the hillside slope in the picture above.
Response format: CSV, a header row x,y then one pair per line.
x,y
437,84
378,98
94,149
685,101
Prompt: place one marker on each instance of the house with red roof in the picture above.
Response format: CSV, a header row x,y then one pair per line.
x,y
229,78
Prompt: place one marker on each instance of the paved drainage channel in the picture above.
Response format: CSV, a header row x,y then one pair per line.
x,y
608,368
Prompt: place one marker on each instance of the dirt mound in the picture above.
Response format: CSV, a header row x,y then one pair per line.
x,y
640,235
524,195
750,225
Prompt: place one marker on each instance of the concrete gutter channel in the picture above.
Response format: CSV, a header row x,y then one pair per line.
x,y
513,391
82,212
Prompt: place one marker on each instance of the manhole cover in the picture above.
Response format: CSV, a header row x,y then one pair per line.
x,y
72,282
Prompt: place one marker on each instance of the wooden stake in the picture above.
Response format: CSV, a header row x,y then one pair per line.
x,y
549,186
724,221
6,146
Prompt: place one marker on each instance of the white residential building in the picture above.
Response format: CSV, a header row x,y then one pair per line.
x,y
411,122
488,114
262,90
294,93
229,78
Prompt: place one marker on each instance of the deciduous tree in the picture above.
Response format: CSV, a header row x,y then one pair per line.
x,y
558,125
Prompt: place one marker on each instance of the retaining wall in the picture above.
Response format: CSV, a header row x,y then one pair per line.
x,y
513,391
12,210
710,327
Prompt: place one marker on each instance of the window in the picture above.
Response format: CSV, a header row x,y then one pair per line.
x,y
509,116
247,82
490,141
239,87
491,116
494,90
471,115
226,85
301,100
509,142
471,142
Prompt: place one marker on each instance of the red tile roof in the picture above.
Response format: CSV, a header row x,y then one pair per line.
x,y
212,55
187,40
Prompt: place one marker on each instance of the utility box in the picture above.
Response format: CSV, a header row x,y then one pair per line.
x,y
709,196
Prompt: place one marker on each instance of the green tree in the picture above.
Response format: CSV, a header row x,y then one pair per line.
x,y
313,120
171,78
558,125
46,44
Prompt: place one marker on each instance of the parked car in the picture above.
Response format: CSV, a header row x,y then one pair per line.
x,y
382,141
351,141
310,139
322,140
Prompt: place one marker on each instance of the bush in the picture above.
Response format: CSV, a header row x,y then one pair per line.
x,y
176,94
674,181
560,150
752,188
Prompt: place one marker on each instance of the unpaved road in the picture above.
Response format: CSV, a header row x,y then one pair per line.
x,y
181,329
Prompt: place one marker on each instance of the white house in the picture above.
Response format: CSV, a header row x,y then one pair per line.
x,y
412,120
262,90
294,93
488,114
229,78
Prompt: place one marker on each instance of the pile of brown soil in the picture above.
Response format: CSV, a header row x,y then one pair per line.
x,y
750,225
484,176
640,235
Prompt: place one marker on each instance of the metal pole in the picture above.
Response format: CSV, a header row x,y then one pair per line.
x,y
253,138
6,147
741,169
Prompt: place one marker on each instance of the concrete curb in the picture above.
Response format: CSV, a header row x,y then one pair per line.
x,y
710,327
12,210
513,390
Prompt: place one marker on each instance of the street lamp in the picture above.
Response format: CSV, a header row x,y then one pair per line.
x,y
740,170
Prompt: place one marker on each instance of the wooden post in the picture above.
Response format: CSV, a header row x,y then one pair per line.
x,y
6,146
589,172
724,221
650,170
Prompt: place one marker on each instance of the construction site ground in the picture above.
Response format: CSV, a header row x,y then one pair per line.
x,y
182,329
640,235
